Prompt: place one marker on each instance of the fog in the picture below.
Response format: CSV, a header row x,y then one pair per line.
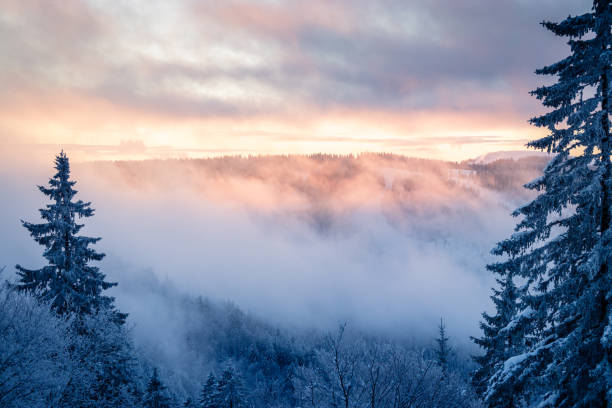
x,y
385,243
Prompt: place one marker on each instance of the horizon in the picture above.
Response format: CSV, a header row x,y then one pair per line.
x,y
504,154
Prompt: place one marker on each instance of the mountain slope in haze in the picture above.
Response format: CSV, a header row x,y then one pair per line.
x,y
326,186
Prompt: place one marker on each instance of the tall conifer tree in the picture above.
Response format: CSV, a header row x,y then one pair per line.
x,y
207,395
562,245
443,350
68,280
229,393
156,395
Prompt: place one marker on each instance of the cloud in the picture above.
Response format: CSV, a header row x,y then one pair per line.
x,y
170,57
129,65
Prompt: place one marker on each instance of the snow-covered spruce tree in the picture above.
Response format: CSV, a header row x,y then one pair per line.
x,y
562,245
229,392
156,395
208,392
504,335
67,281
442,350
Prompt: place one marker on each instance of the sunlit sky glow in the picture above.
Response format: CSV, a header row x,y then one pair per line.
x,y
153,79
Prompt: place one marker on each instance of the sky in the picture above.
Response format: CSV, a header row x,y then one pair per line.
x,y
138,79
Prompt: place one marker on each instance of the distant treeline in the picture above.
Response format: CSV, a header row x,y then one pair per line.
x,y
319,175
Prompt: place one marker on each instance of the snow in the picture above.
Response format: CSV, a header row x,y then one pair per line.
x,y
523,314
513,361
547,402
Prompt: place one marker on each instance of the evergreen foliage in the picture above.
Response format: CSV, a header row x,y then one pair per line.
x,y
503,337
442,351
229,392
68,281
156,395
562,245
208,392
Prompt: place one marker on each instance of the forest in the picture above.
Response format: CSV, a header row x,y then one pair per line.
x,y
64,348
